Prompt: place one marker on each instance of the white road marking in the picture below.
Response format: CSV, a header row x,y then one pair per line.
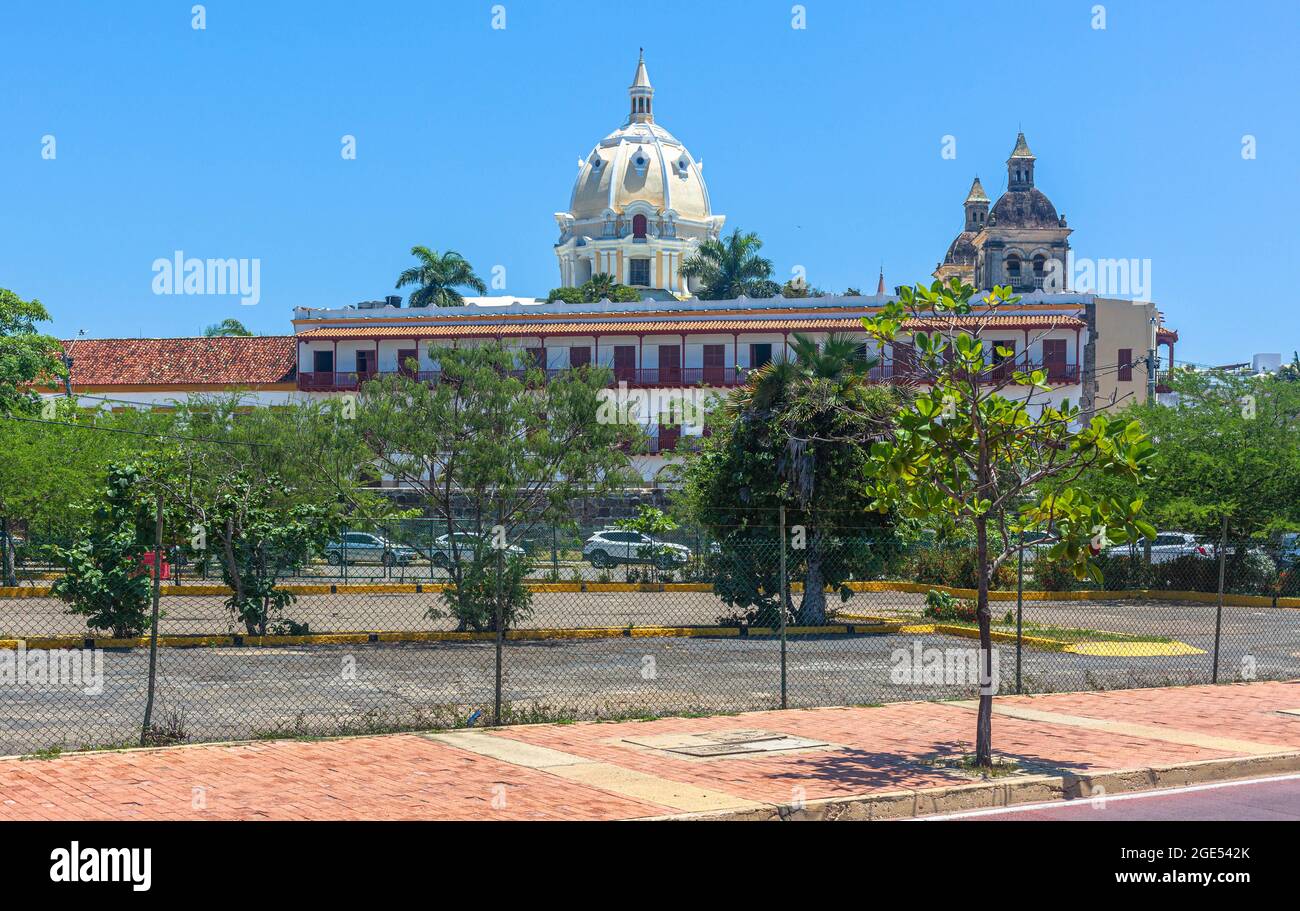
x,y
1136,795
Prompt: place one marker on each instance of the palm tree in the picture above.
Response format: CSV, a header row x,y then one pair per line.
x,y
226,327
439,275
731,267
600,286
809,401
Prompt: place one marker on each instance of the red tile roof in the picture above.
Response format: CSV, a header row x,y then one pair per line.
x,y
225,361
451,329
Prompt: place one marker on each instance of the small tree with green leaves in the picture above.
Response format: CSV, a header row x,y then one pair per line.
x,y
27,357
105,579
492,443
983,443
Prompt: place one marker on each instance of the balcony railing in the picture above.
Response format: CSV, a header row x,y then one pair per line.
x,y
886,371
344,381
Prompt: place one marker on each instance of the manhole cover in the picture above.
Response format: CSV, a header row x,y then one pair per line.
x,y
712,744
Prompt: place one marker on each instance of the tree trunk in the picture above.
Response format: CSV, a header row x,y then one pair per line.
x,y
7,553
812,611
984,722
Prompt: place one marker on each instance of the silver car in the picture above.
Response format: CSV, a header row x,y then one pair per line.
x,y
466,543
1168,545
363,547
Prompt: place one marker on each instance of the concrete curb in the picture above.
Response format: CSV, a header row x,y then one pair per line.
x,y
912,803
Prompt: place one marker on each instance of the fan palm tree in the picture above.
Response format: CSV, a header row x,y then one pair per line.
x,y
809,401
600,286
731,267
438,276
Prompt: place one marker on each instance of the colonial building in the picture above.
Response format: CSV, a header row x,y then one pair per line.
x,y
639,206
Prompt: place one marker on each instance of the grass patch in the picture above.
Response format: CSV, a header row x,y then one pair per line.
x,y
964,764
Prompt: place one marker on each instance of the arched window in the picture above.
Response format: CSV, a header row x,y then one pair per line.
x,y
638,225
1013,266
1040,265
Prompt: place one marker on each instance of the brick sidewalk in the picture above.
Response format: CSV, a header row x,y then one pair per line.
x,y
618,770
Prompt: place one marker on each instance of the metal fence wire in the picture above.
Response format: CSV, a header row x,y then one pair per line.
x,y
389,628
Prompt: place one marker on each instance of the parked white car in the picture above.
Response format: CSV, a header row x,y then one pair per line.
x,y
466,543
1168,545
611,546
362,547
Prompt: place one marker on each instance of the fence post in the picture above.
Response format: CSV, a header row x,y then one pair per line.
x,y
1020,606
153,621
1218,612
785,605
500,643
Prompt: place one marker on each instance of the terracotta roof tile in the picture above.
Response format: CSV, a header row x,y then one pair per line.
x,y
224,361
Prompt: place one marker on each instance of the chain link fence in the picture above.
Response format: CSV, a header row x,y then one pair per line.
x,y
405,626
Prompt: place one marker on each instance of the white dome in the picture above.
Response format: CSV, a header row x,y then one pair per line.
x,y
640,162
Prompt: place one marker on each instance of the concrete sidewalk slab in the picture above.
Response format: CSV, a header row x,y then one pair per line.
x,y
852,762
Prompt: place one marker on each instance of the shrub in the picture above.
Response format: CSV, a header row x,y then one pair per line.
x,y
943,606
1118,572
105,581
472,600
1246,572
955,566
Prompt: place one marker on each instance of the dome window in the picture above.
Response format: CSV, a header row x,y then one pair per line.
x,y
683,167
640,161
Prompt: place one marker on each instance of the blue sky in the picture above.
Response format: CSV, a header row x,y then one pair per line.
x,y
825,140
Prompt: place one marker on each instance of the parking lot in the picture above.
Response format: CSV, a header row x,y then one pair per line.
x,y
221,692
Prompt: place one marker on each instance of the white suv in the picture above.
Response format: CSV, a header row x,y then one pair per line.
x,y
1168,545
616,545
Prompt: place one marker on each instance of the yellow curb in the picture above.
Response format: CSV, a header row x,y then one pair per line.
x,y
1133,649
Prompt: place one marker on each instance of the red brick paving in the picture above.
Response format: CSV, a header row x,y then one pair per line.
x,y
406,776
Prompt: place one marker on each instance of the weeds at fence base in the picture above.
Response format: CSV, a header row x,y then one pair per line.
x,y
168,732
371,722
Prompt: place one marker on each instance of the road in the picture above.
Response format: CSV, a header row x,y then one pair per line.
x,y
1264,799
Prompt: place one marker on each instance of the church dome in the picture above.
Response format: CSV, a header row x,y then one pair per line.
x,y
640,162
1025,208
961,251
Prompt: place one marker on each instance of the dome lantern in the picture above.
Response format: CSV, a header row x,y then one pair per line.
x,y
642,94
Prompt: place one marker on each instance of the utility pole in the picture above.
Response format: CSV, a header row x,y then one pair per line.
x,y
1152,364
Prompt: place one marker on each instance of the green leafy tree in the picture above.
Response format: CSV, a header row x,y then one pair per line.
x,y
1004,463
1229,447
797,434
600,286
27,357
227,327
730,267
240,492
439,276
567,294
48,464
105,580
487,447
